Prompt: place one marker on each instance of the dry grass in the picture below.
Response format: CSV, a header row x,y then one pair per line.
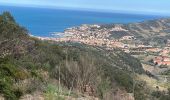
x,y
153,83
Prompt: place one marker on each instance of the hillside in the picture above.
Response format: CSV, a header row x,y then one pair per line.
x,y
149,32
152,32
52,70
28,65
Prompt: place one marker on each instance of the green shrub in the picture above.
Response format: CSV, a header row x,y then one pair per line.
x,y
156,94
103,88
124,79
141,92
53,93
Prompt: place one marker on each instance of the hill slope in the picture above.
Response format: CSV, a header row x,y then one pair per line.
x,y
149,32
28,65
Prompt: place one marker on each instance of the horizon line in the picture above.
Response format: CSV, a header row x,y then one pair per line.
x,y
91,10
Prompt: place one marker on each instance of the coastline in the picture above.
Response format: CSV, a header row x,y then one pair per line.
x,y
84,34
40,23
110,36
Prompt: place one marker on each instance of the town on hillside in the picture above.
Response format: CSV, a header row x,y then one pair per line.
x,y
156,57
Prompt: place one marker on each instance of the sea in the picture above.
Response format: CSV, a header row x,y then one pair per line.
x,y
44,22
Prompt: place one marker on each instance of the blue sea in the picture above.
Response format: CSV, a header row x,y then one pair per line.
x,y
43,21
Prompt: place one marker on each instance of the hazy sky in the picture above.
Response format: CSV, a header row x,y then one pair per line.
x,y
155,6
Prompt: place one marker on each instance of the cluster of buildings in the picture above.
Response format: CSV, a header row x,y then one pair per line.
x,y
87,31
97,35
164,58
118,28
128,37
92,35
161,60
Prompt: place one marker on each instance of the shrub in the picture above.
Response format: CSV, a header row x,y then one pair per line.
x,y
103,88
53,93
156,94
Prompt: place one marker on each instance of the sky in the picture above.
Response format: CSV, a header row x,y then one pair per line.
x,y
144,6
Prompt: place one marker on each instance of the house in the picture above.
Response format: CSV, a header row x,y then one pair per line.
x,y
128,37
165,51
166,63
161,60
153,50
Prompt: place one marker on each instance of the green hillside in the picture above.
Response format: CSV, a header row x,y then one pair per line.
x,y
28,65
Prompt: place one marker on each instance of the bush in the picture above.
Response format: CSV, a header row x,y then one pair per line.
x,y
124,80
156,94
103,88
8,75
53,93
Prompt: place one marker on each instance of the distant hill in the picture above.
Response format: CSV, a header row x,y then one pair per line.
x,y
157,31
152,32
28,65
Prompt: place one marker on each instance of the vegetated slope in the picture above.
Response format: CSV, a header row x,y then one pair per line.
x,y
28,64
152,31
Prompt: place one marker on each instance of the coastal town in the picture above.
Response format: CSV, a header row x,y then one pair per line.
x,y
95,35
84,50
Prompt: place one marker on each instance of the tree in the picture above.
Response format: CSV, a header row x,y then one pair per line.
x,y
8,17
